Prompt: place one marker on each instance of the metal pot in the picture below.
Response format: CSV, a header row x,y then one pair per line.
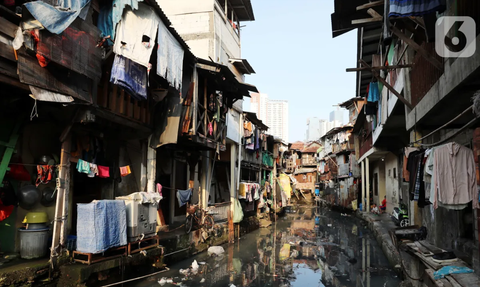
x,y
28,196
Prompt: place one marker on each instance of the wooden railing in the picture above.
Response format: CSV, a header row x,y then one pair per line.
x,y
119,102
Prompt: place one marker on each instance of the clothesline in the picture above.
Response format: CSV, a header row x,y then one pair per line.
x,y
32,164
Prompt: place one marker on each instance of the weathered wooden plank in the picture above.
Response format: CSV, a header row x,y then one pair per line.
x,y
467,279
112,103
53,78
430,247
8,28
417,48
121,105
7,52
439,283
367,20
370,5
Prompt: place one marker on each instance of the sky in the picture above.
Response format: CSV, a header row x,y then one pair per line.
x,y
291,49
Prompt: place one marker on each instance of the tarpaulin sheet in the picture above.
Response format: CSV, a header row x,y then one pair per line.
x,y
57,18
101,224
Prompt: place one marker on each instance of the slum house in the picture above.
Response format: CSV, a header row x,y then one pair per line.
x,y
212,30
306,174
292,158
341,186
116,120
403,66
91,110
254,144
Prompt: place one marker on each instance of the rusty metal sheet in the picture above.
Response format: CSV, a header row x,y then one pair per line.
x,y
74,49
53,78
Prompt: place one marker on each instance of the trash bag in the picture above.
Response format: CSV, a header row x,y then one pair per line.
x,y
238,212
217,250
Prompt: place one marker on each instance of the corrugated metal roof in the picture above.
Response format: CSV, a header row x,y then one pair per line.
x,y
253,118
298,145
305,170
311,147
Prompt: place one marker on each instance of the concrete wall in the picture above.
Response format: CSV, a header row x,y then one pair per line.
x,y
379,169
391,182
233,126
193,20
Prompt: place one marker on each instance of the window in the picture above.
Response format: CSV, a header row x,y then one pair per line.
x,y
394,172
389,173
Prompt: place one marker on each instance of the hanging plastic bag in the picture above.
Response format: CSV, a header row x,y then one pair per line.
x,y
237,212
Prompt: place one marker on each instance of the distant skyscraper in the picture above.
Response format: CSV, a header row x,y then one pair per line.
x,y
313,129
277,118
258,105
274,113
337,115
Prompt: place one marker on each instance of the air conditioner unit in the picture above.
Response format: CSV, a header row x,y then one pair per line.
x,y
141,209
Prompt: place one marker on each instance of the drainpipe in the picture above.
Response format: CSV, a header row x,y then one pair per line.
x,y
362,165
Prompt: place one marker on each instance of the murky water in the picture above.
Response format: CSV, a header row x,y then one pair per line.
x,y
309,247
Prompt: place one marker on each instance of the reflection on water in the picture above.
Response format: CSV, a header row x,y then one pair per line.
x,y
308,247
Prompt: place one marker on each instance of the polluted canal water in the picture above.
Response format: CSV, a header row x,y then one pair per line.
x,y
310,246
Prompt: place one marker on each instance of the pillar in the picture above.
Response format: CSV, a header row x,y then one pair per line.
x,y
231,231
363,201
204,180
173,197
367,183
151,168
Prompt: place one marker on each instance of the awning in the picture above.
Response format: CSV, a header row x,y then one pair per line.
x,y
242,66
225,78
243,9
253,118
352,14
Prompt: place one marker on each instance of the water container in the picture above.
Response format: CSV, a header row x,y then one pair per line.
x,y
33,243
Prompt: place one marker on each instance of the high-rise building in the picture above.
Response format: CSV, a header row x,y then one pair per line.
x,y
314,127
277,118
274,113
258,105
337,115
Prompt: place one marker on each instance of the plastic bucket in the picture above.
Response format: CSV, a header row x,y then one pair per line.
x,y
33,243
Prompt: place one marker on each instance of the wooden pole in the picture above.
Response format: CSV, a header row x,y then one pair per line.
x,y
61,207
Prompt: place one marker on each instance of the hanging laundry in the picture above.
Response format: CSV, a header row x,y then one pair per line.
x,y
184,196
455,176
93,170
169,57
136,34
44,174
130,76
125,170
117,11
159,189
57,18
210,129
105,23
242,191
83,166
373,92
407,8
103,171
